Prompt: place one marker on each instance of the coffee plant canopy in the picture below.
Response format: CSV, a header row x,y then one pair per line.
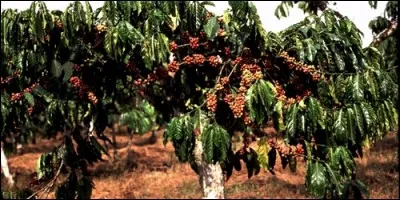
x,y
207,76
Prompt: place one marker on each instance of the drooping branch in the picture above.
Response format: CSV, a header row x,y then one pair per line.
x,y
387,32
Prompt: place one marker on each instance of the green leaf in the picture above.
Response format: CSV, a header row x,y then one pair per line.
x,y
316,179
56,68
89,11
315,114
200,120
300,49
339,61
357,89
29,97
211,28
278,116
68,70
367,115
351,124
282,10
291,120
311,50
262,152
340,126
216,142
359,118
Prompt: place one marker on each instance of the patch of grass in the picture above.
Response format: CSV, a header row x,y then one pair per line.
x,y
242,188
190,189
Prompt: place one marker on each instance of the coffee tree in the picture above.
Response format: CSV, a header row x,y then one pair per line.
x,y
313,80
57,68
384,29
208,76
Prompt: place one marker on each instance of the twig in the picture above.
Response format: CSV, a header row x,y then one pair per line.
x,y
233,69
220,72
51,183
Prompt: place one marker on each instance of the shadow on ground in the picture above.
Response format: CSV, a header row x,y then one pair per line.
x,y
155,173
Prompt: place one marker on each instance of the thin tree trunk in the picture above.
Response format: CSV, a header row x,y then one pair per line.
x,y
114,144
129,161
5,169
211,177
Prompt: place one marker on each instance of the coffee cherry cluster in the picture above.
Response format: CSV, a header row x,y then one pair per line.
x,y
290,101
258,75
237,61
92,97
214,61
280,92
224,81
188,60
76,67
151,77
247,78
246,118
173,66
198,59
211,101
251,68
203,35
299,66
193,42
237,105
221,32
299,149
75,81
30,110
16,96
138,82
17,73
219,87
101,28
6,80
30,89
291,150
173,46
229,99
227,51
272,142
316,76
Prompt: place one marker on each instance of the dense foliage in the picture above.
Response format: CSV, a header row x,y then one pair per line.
x,y
208,76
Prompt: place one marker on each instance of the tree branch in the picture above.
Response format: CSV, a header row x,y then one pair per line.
x,y
387,32
51,183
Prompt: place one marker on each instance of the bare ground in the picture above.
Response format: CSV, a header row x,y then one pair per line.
x,y
158,174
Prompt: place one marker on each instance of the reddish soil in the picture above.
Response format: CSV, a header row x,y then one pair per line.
x,y
158,174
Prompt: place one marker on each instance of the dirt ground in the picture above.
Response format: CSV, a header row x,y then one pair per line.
x,y
159,175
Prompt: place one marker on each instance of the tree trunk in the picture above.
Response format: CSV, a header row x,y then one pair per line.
x,y
129,160
114,144
211,177
5,169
